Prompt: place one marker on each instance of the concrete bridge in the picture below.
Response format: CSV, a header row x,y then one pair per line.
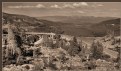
x,y
27,34
41,35
112,53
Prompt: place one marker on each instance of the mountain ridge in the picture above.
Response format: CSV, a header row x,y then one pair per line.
x,y
43,25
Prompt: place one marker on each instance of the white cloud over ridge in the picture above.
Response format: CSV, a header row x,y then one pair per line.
x,y
62,6
80,4
58,5
55,6
81,12
97,5
100,5
39,6
27,6
68,5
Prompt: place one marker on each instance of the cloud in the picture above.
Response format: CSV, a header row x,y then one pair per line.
x,y
100,5
39,6
55,6
80,4
68,6
62,6
84,3
97,5
20,6
27,6
81,12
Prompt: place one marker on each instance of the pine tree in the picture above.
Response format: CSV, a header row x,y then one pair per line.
x,y
75,40
96,50
74,47
11,40
12,43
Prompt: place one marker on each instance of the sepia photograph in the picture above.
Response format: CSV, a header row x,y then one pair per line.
x,y
61,36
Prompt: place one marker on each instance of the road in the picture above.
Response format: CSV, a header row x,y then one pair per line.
x,y
107,51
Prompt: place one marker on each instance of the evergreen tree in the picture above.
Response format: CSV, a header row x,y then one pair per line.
x,y
11,40
74,47
96,50
75,40
12,44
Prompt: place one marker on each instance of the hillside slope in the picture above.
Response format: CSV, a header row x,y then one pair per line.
x,y
28,23
108,25
87,29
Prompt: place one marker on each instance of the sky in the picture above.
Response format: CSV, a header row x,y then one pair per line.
x,y
40,9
